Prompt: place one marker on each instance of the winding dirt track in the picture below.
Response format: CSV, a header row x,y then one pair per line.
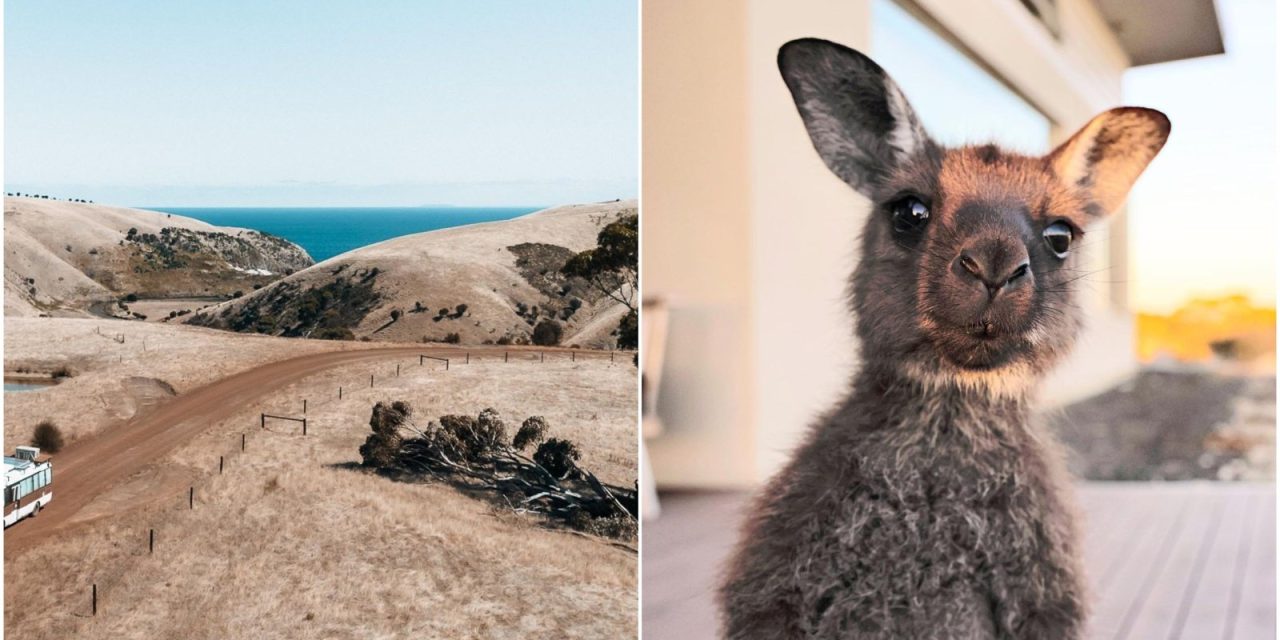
x,y
92,465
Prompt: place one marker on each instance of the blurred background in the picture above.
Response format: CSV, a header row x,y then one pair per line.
x,y
749,241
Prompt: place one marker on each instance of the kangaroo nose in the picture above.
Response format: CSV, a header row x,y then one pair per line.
x,y
996,268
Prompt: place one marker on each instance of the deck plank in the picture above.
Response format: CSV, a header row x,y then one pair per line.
x,y
1108,531
1117,588
1154,612
1207,601
1256,617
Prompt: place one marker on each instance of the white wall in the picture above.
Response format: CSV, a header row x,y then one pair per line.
x,y
696,236
805,224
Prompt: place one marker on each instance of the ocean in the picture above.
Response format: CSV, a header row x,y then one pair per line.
x,y
327,232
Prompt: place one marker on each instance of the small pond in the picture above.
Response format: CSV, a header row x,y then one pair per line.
x,y
27,385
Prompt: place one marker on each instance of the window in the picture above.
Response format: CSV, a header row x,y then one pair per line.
x,y
957,99
1046,11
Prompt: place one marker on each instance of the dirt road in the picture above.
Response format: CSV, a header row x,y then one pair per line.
x,y
89,467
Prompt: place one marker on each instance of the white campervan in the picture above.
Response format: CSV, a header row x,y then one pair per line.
x,y
26,484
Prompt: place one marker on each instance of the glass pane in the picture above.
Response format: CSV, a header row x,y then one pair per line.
x,y
957,100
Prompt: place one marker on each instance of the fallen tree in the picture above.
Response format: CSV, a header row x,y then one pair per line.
x,y
477,453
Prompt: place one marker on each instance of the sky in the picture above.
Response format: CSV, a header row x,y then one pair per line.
x,y
291,103
1203,216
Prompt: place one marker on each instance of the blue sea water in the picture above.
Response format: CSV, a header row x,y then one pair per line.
x,y
327,232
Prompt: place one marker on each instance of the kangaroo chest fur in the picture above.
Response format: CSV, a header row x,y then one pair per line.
x,y
909,517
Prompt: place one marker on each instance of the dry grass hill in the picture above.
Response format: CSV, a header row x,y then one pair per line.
x,y
62,258
293,539
482,283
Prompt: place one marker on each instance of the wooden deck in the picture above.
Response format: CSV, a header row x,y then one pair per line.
x,y
1166,561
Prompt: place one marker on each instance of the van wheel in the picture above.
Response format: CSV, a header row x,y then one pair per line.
x,y
36,511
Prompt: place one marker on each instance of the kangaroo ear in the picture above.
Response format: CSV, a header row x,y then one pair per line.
x,y
859,121
1105,158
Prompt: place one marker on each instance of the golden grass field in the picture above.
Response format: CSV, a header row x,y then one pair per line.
x,y
293,542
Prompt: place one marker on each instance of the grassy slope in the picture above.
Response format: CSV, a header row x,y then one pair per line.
x,y
60,256
470,265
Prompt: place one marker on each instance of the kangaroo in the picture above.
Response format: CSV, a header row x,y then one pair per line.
x,y
925,504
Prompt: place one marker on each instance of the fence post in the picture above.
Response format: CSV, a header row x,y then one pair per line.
x,y
151,542
263,419
506,355
542,356
371,381
611,355
304,426
573,356
191,498
95,598
397,370
468,357
241,442
304,406
219,465
446,364
339,393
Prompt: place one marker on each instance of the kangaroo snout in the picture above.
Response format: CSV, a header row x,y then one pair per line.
x,y
996,265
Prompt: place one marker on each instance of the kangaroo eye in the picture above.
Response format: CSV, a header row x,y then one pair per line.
x,y
1058,237
909,215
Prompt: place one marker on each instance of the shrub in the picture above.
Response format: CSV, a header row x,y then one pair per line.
x,y
547,333
629,331
453,338
48,437
533,431
443,312
460,309
381,449
504,341
62,372
473,437
334,333
237,294
395,315
559,457
132,297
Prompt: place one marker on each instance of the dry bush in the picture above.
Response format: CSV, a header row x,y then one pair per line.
x,y
382,448
48,437
475,453
533,431
560,457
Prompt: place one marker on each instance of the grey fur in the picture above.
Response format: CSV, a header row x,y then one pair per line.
x,y
925,505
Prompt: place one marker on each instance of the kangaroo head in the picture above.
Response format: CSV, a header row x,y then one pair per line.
x,y
969,260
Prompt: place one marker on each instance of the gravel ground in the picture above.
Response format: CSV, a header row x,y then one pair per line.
x,y
1174,425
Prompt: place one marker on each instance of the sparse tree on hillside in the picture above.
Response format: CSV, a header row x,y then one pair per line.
x,y
612,269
